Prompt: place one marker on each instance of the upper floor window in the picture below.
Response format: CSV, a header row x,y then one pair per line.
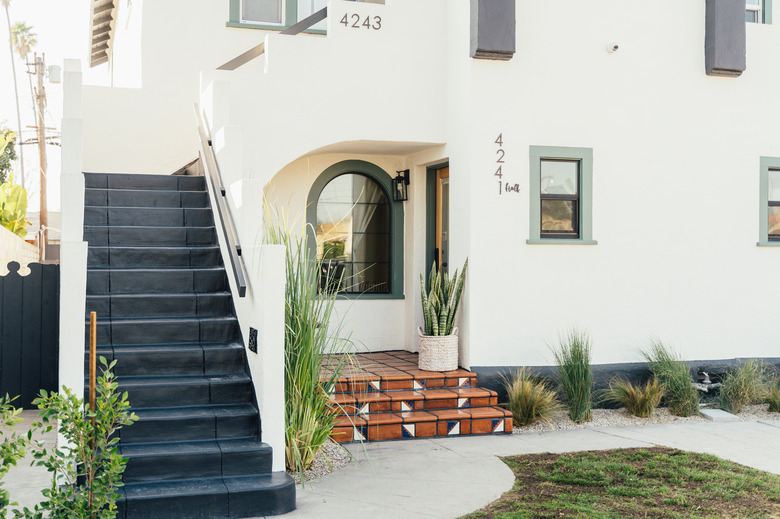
x,y
274,14
773,203
263,11
769,202
753,11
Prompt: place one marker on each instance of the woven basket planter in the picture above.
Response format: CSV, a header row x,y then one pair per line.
x,y
438,352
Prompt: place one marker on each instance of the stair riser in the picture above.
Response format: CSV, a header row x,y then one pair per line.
x,y
211,360
150,236
201,464
144,198
153,257
199,506
153,217
186,429
160,395
190,305
106,282
167,332
135,181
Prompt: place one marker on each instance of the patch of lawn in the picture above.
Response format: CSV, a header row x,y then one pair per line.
x,y
627,483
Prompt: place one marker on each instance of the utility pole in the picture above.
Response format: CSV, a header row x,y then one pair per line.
x,y
40,96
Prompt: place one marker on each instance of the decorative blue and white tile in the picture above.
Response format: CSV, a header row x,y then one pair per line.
x,y
463,381
419,384
407,430
498,425
453,428
464,402
359,434
374,386
364,408
407,405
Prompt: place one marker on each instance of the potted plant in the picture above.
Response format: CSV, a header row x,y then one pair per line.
x,y
439,338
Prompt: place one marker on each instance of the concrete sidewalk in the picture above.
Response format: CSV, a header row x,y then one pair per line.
x,y
450,477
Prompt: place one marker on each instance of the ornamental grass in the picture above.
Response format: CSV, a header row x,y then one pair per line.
x,y
530,399
675,377
746,384
640,401
573,357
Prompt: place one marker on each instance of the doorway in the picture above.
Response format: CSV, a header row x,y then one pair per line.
x,y
438,224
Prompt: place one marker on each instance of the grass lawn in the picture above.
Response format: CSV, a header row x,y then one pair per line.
x,y
624,483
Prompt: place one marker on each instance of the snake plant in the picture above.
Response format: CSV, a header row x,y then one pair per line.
x,y
440,303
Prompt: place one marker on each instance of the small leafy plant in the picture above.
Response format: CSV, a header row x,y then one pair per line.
x,y
440,304
675,377
87,469
13,208
12,446
747,384
530,399
573,359
640,401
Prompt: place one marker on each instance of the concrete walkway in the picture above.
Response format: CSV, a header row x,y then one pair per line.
x,y
450,477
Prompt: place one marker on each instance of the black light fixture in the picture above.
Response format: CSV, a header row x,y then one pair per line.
x,y
400,183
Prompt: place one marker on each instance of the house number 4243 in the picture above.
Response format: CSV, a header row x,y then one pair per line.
x,y
355,21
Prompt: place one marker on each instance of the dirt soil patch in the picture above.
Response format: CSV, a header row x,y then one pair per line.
x,y
628,483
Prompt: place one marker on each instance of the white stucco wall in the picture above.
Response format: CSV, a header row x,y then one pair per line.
x,y
675,176
13,248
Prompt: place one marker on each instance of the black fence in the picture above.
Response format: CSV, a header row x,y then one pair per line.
x,y
29,331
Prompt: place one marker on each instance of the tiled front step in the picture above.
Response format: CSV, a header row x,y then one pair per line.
x,y
149,236
136,181
148,216
165,331
422,400
192,423
195,459
187,390
119,257
144,198
423,424
156,281
237,496
358,381
173,359
160,305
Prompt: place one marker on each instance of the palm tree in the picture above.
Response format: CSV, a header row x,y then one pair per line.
x,y
5,4
23,41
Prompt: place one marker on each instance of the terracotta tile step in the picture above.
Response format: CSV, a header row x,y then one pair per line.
x,y
421,400
389,380
423,424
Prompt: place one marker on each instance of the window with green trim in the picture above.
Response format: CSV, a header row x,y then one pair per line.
x,y
758,11
769,202
358,230
561,180
273,14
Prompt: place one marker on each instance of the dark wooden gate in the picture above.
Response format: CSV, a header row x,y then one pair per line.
x,y
29,331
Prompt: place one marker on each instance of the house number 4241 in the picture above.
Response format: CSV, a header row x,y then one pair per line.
x,y
355,21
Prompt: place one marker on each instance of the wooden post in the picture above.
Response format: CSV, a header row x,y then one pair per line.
x,y
40,70
92,366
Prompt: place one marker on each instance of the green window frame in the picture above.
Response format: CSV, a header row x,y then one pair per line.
x,y
384,180
584,157
764,8
767,164
290,18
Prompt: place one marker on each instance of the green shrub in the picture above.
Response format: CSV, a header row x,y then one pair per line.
x,y
310,335
675,377
773,397
640,401
573,359
12,446
747,384
87,468
530,399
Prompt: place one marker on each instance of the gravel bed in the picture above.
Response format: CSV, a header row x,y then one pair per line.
x,y
330,457
621,417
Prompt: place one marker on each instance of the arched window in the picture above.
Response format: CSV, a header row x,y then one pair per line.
x,y
358,230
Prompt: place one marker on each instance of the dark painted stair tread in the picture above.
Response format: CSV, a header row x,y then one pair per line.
x,y
143,181
174,359
211,304
144,198
148,256
187,390
192,423
121,281
145,235
148,216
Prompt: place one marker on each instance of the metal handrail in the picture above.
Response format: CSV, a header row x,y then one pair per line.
x,y
218,188
258,50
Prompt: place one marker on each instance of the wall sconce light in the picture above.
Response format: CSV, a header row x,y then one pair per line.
x,y
400,186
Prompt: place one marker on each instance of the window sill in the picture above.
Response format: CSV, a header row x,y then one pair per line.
x,y
768,244
259,26
559,241
369,297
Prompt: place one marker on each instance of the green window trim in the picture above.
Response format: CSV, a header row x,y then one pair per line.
x,y
290,19
766,12
385,181
766,163
585,158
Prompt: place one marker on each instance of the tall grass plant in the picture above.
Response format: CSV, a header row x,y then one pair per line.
x,y
640,401
530,399
747,384
675,377
311,334
573,357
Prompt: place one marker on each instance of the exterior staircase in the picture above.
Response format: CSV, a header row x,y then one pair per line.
x,y
384,396
157,282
